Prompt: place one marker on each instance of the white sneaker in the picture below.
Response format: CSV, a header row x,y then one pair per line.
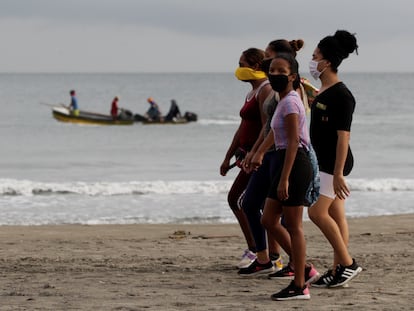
x,y
278,263
247,259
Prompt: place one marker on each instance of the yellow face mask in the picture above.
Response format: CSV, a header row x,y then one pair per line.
x,y
248,74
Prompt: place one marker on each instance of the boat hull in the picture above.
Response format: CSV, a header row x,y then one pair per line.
x,y
176,121
62,114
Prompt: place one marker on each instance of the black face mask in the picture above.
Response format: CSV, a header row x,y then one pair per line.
x,y
266,65
278,82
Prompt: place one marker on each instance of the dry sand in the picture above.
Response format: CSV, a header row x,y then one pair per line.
x,y
190,267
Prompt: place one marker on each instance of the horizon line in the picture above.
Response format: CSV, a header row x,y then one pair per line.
x,y
182,72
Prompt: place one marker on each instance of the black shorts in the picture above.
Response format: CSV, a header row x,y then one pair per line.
x,y
299,179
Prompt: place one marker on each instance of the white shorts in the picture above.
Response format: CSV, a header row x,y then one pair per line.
x,y
326,185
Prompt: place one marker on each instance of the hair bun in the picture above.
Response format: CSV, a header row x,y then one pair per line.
x,y
346,41
296,44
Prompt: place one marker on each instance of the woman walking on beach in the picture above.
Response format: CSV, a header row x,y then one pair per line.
x,y
331,118
252,119
258,187
292,177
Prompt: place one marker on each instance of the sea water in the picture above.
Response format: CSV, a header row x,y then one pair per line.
x,y
60,173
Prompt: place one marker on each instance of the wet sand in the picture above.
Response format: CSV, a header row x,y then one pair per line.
x,y
191,267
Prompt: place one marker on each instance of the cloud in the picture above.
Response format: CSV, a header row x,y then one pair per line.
x,y
186,35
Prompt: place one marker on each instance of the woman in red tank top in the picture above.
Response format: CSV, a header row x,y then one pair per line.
x,y
252,120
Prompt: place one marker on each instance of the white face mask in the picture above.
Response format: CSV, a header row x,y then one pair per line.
x,y
313,69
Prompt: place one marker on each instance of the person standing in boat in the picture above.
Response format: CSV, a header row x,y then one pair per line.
x,y
73,106
114,108
153,113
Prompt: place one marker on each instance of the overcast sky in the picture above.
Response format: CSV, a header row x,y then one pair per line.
x,y
194,35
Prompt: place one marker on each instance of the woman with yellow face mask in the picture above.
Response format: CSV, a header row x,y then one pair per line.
x,y
252,120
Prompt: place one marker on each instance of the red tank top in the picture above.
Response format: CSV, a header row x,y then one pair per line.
x,y
251,123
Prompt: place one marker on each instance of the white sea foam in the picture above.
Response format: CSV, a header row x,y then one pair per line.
x,y
35,203
219,121
381,185
31,188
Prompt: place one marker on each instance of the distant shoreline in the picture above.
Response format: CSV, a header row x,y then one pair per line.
x,y
304,73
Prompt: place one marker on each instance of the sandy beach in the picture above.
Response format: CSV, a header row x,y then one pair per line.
x,y
190,267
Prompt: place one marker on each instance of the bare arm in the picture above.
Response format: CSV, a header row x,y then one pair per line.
x,y
292,130
225,166
263,95
257,158
340,187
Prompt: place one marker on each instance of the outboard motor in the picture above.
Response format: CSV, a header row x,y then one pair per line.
x,y
190,116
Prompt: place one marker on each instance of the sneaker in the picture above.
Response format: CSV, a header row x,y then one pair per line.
x,y
247,259
257,268
311,275
345,274
324,280
277,261
285,273
292,292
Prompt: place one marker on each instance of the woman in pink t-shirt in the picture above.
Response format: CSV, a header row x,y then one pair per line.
x,y
290,183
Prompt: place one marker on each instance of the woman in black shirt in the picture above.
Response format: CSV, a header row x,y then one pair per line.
x,y
330,128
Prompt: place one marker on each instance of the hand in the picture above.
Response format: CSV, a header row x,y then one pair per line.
x,y
283,190
246,163
256,161
224,168
340,187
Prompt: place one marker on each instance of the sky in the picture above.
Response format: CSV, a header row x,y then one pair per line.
x,y
195,35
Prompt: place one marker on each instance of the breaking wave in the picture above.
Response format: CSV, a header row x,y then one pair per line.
x,y
12,187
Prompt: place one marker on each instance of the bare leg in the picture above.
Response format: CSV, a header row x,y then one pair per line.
x,y
274,247
293,218
271,222
319,214
337,212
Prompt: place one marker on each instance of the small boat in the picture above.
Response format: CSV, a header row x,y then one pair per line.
x,y
173,121
186,118
64,115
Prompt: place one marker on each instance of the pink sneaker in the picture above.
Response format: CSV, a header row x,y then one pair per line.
x,y
311,275
284,273
292,292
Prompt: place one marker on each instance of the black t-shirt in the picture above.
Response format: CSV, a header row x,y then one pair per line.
x,y
331,112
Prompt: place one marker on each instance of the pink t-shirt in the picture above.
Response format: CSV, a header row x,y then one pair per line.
x,y
289,104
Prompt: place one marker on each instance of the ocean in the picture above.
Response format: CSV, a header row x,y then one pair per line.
x,y
56,173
